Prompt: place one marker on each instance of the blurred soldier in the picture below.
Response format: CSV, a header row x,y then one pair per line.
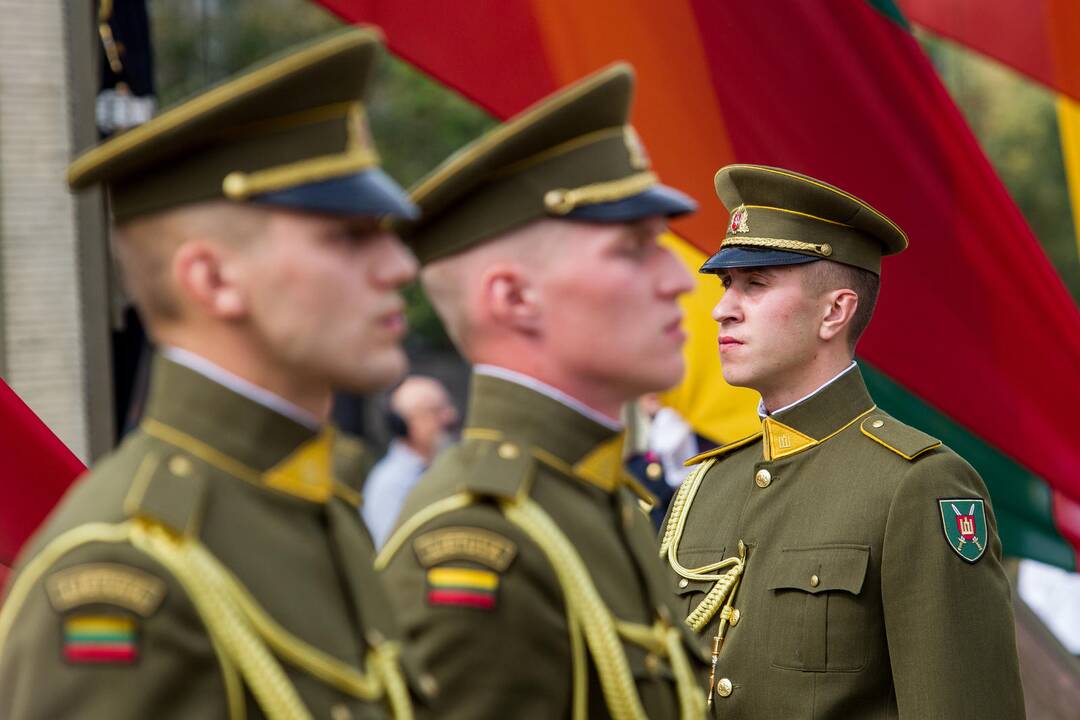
x,y
421,418
212,566
524,570
840,563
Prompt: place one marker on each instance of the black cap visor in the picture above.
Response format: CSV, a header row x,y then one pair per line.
x,y
740,257
370,192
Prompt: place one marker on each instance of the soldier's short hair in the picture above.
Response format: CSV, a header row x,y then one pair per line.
x,y
825,275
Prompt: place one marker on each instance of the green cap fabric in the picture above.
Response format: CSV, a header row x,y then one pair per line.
x,y
781,217
572,155
294,123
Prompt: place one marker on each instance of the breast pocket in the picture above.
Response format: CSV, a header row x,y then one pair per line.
x,y
818,621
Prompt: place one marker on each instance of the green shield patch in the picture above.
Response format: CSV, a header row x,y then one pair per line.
x,y
964,523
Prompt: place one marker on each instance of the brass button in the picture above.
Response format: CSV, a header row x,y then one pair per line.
x,y
683,583
428,684
735,617
654,471
814,581
508,451
877,423
763,478
724,687
652,664
340,712
179,466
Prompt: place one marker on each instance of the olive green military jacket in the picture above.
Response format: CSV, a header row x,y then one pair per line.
x,y
209,568
857,596
525,573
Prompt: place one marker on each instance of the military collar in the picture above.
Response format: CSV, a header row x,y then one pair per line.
x,y
240,386
236,434
554,433
818,417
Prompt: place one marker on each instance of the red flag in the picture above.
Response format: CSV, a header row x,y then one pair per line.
x,y
37,468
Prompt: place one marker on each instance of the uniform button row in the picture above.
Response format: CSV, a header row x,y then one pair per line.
x,y
763,478
724,688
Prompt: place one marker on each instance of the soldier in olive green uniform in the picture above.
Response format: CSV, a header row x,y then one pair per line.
x,y
839,563
524,570
212,566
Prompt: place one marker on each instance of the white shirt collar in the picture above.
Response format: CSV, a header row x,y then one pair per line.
x,y
240,386
544,389
763,413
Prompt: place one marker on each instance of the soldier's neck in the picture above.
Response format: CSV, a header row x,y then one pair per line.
x,y
796,389
306,402
588,399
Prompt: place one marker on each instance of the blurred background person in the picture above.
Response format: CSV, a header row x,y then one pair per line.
x,y
660,440
422,419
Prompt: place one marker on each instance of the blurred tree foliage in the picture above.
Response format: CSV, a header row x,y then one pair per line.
x,y
1015,121
416,121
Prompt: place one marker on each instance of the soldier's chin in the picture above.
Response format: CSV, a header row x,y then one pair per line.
x,y
666,377
377,370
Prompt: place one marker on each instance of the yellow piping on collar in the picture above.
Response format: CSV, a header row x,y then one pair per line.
x,y
722,450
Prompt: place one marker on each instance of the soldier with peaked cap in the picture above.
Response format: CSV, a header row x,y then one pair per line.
x,y
524,570
212,566
839,563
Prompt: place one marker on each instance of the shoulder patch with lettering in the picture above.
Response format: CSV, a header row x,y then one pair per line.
x,y
462,587
465,543
108,584
100,639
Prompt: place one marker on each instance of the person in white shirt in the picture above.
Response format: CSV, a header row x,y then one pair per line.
x,y
422,418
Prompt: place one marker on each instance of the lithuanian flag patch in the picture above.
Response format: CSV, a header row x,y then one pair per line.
x,y
100,639
462,587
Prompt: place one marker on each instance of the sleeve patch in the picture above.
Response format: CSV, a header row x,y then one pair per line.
x,y
964,523
465,543
105,583
100,639
462,587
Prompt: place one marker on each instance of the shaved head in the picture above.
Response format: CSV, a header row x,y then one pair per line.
x,y
144,249
452,284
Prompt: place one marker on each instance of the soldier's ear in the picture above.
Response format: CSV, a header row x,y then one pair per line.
x,y
838,309
207,280
511,297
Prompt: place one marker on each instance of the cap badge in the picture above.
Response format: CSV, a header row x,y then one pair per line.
x,y
739,220
639,159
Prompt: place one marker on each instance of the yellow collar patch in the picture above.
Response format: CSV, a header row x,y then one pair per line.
x,y
603,466
308,472
780,440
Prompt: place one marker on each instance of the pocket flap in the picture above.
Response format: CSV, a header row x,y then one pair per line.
x,y
821,568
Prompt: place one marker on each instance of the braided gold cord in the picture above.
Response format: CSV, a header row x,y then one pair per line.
x,y
271,688
383,662
716,597
616,680
675,517
691,701
823,249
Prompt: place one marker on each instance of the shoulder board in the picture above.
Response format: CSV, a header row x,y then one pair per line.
x,y
494,465
722,450
168,488
904,440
